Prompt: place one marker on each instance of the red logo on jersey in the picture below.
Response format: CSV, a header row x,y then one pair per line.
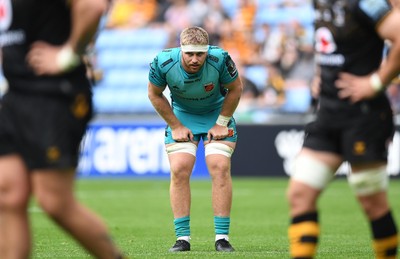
x,y
209,87
230,132
5,14
325,43
2,11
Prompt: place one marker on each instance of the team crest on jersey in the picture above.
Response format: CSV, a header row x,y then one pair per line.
x,y
359,148
231,132
324,41
5,14
209,87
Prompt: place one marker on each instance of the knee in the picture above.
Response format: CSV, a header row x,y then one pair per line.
x,y
180,174
220,175
13,198
294,195
301,198
375,205
52,205
219,169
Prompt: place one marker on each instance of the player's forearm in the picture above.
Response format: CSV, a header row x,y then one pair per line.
x,y
391,67
164,109
232,100
388,29
85,16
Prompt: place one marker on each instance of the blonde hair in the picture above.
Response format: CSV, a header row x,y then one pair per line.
x,y
194,36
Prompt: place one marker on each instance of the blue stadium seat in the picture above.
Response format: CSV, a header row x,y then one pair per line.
x,y
125,38
258,75
303,14
125,78
125,58
274,16
108,100
271,16
298,100
230,6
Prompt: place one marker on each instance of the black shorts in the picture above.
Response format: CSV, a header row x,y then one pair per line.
x,y
358,136
46,130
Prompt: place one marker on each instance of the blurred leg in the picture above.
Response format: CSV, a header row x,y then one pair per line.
x,y
370,183
313,172
54,191
15,240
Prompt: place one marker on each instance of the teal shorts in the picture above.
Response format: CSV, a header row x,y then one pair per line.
x,y
200,124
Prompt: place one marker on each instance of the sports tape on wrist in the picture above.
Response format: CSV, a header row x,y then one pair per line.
x,y
376,82
67,59
223,120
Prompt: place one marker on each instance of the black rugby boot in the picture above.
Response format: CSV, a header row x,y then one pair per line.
x,y
223,245
180,246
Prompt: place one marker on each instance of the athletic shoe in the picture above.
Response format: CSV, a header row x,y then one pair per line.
x,y
180,246
223,245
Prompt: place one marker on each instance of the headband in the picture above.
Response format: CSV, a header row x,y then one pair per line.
x,y
194,48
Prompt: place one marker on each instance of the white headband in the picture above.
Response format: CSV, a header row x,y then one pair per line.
x,y
194,48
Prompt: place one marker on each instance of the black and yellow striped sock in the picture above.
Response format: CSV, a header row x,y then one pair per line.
x,y
303,236
385,236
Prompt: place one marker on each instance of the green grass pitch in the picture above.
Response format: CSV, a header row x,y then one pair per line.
x,y
140,219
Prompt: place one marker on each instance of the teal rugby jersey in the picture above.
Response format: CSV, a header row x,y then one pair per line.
x,y
197,93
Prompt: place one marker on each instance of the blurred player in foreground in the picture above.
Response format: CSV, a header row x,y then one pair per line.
x,y
43,117
205,91
354,121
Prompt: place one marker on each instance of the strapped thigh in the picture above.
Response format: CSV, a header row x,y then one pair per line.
x,y
182,147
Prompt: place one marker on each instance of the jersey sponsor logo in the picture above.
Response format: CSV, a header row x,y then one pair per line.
x,y
375,9
213,58
329,60
177,90
209,87
325,45
325,42
12,37
5,14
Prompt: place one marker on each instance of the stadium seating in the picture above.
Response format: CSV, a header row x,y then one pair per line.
x,y
258,74
123,56
297,100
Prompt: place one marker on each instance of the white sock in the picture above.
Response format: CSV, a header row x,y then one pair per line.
x,y
218,237
186,238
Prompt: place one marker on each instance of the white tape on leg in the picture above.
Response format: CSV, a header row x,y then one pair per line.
x,y
369,182
218,148
312,172
182,147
